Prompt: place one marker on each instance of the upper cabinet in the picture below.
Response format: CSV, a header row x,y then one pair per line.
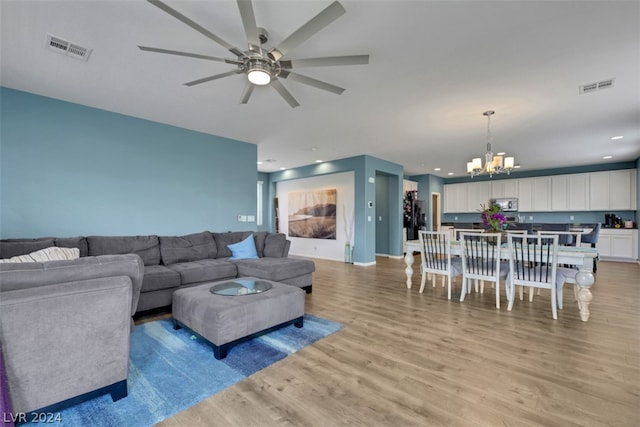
x,y
408,185
612,190
570,192
596,191
578,192
504,188
455,198
534,194
478,193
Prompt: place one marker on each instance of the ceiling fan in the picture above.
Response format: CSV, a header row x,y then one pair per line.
x,y
266,67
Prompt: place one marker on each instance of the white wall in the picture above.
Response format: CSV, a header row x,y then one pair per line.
x,y
320,248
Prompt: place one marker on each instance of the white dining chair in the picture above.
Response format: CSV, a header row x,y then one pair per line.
x,y
481,261
533,262
435,252
565,238
566,273
458,231
522,232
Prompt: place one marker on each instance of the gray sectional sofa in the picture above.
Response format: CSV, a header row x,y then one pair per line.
x,y
65,325
64,329
172,262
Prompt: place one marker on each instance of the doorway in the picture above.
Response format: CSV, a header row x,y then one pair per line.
x,y
435,212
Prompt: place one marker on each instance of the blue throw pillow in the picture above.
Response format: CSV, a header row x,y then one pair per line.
x,y
245,249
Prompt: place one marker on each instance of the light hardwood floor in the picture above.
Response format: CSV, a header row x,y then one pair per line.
x,y
410,359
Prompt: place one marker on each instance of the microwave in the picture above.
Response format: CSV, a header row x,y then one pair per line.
x,y
507,204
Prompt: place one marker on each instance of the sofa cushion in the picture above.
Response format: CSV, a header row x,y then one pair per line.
x,y
147,247
204,270
274,245
14,247
259,238
246,249
187,248
158,277
225,239
276,269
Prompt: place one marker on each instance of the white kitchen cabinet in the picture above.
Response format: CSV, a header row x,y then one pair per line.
x,y
534,194
455,198
618,244
560,193
408,185
622,189
504,188
612,190
570,192
478,193
578,192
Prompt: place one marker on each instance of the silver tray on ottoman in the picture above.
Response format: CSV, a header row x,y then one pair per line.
x,y
241,287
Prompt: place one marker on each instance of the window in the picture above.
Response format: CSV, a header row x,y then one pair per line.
x,y
259,204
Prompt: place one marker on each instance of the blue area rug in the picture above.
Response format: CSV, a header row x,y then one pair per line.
x,y
170,371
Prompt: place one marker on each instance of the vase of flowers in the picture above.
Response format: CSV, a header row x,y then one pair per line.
x,y
493,218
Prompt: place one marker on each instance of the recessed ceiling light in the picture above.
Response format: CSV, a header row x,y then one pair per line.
x,y
501,153
282,168
617,137
436,169
450,173
259,163
608,157
318,161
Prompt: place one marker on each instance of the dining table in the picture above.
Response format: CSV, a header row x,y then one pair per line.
x,y
580,256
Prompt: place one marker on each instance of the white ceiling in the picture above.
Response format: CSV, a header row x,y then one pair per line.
x,y
435,67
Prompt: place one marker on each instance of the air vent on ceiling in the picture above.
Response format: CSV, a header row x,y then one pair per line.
x,y
68,48
592,87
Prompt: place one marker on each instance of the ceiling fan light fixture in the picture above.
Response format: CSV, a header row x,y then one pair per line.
x,y
259,72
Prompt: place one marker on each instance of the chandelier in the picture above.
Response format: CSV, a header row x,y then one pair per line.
x,y
492,164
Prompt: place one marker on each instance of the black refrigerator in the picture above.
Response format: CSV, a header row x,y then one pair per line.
x,y
414,215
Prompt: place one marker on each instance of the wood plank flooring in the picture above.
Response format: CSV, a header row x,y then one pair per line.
x,y
410,359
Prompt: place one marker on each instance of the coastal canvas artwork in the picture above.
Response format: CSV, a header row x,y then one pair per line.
x,y
313,214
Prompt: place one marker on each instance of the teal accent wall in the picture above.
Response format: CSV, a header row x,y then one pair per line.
x,y
67,170
364,167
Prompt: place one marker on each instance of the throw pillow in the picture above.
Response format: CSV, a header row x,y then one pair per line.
x,y
53,253
245,249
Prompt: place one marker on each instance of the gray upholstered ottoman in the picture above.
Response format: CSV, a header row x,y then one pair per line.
x,y
225,320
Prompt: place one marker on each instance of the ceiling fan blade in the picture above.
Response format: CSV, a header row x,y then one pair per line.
x,y
208,79
246,94
325,62
180,53
275,83
196,27
311,82
318,22
249,22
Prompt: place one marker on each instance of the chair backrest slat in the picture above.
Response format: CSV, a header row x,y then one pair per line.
x,y
534,257
481,253
435,250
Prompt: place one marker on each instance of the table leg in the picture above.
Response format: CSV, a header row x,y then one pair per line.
x,y
584,280
408,259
